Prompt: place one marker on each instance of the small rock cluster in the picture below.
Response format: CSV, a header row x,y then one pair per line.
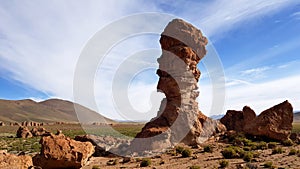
x,y
274,123
103,145
24,132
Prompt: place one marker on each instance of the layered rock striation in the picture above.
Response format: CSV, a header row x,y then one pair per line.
x,y
179,119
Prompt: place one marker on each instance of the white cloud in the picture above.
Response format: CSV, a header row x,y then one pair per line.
x,y
264,95
296,15
40,42
255,73
223,15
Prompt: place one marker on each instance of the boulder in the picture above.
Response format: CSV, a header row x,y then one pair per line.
x,y
23,132
274,123
11,161
59,151
40,131
103,144
236,120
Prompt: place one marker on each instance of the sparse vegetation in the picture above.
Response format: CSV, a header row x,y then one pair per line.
x,y
16,145
232,152
145,162
262,145
112,162
186,152
96,167
195,167
272,145
179,149
223,163
294,152
287,142
268,164
208,149
241,140
277,150
248,156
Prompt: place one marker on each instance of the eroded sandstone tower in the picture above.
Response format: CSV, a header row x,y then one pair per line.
x,y
179,118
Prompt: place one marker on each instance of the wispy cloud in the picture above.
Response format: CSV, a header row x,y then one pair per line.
x,y
40,46
221,16
296,15
255,72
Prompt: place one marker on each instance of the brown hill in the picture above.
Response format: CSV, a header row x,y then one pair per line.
x,y
52,110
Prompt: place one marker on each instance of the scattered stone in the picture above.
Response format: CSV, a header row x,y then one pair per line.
x,y
23,132
40,131
127,159
59,151
11,161
295,137
104,145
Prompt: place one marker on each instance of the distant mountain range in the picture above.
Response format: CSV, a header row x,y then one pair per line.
x,y
52,110
296,117
57,110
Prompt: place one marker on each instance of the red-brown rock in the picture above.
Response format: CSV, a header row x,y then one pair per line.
x,y
40,131
59,151
236,120
274,123
11,161
23,132
178,119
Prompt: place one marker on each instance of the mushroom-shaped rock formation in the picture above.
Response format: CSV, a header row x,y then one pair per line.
x,y
179,119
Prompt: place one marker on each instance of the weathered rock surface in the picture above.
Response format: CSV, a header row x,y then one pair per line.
x,y
236,120
23,132
31,123
40,131
178,119
11,161
103,144
59,151
274,123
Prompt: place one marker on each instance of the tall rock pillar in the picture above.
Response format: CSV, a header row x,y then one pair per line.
x,y
179,119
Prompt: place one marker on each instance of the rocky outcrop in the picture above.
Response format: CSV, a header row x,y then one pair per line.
x,y
23,132
2,123
274,123
59,151
40,131
236,120
178,120
31,123
14,124
11,161
103,144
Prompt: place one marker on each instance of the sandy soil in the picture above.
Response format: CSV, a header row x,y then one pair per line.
x,y
205,160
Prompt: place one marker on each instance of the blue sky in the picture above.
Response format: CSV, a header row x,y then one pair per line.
x,y
257,42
